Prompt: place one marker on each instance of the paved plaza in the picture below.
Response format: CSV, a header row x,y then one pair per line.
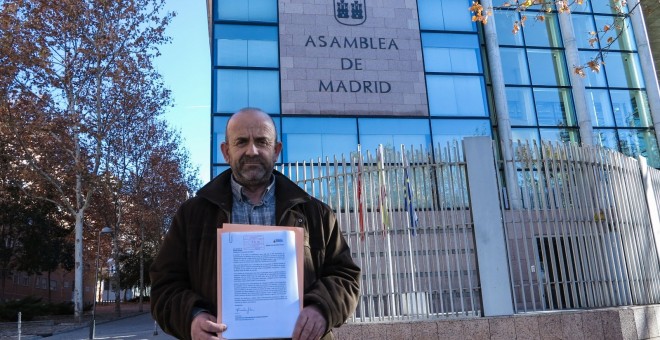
x,y
133,324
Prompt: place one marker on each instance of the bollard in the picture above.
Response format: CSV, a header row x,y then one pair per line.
x,y
19,325
92,328
155,328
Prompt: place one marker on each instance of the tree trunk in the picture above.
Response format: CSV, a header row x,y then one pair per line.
x,y
116,273
49,291
141,264
78,276
3,277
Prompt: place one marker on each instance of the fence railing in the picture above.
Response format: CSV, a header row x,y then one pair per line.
x,y
582,237
579,236
408,226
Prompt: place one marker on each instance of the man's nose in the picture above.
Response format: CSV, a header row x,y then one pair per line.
x,y
252,149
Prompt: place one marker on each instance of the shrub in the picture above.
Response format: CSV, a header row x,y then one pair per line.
x,y
30,307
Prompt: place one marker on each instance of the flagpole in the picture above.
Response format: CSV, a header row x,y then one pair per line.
x,y
380,155
411,213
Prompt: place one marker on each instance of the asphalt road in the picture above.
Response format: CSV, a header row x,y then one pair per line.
x,y
139,327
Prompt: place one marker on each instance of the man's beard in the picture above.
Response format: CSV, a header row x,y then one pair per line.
x,y
253,176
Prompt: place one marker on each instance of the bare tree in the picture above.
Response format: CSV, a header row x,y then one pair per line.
x,y
69,70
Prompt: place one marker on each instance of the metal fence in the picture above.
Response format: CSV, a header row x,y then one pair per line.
x,y
579,235
404,215
582,237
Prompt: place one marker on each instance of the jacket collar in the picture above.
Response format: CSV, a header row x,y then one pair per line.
x,y
287,193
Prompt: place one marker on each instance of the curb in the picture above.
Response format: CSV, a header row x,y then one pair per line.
x,y
86,325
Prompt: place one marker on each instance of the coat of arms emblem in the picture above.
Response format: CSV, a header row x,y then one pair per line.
x,y
352,13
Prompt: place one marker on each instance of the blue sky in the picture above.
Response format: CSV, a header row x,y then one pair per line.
x,y
186,68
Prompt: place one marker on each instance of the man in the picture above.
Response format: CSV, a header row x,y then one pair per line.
x,y
183,276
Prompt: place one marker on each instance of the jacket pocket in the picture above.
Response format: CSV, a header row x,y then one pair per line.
x,y
313,262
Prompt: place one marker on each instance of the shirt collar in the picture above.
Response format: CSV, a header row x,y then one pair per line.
x,y
237,190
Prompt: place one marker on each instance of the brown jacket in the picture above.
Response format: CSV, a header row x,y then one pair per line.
x,y
183,276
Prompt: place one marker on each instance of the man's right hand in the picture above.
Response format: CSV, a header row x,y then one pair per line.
x,y
205,327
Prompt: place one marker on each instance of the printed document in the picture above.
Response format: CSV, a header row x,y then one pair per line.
x,y
259,288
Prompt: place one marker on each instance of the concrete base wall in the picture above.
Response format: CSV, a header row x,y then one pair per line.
x,y
638,322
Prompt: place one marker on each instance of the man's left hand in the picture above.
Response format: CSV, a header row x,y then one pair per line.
x,y
310,325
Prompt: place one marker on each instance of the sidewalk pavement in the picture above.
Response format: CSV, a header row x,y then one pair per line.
x,y
50,325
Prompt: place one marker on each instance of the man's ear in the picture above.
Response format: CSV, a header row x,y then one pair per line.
x,y
278,149
224,147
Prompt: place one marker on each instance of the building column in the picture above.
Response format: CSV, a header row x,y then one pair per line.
x,y
646,61
501,108
577,83
489,233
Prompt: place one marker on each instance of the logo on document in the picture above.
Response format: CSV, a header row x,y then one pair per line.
x,y
352,13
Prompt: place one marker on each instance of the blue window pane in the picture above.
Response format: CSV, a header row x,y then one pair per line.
x,y
559,135
585,7
521,106
607,6
504,21
458,53
625,40
547,67
640,142
236,89
554,107
457,96
524,135
606,139
231,90
450,130
393,132
583,26
600,109
264,90
429,15
243,45
595,79
247,10
631,108
219,124
623,70
445,15
456,15
310,138
542,33
515,68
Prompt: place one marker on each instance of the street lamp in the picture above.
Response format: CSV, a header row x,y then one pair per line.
x,y
92,324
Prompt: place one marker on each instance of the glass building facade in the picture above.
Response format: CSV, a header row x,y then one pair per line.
x,y
339,74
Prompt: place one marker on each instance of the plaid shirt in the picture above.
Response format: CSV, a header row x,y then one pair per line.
x,y
244,212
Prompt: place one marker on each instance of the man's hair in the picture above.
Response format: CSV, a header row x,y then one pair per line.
x,y
250,109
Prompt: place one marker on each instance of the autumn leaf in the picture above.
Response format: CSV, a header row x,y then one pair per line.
x,y
478,15
516,28
606,28
594,66
540,18
562,6
579,70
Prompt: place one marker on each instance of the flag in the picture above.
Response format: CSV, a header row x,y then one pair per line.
x,y
382,197
408,199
